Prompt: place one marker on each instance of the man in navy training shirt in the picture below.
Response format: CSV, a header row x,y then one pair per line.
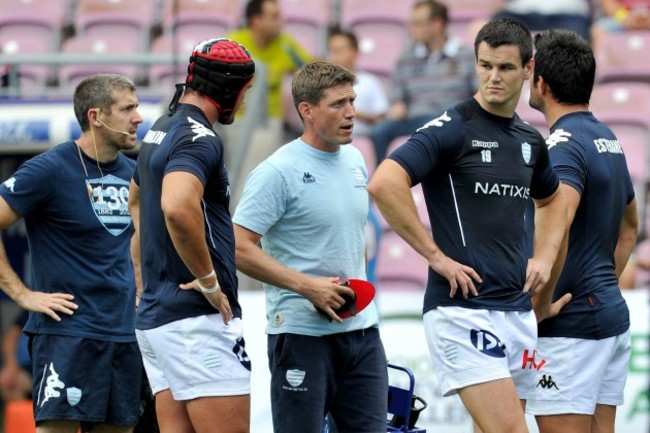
x,y
586,348
86,366
479,164
189,319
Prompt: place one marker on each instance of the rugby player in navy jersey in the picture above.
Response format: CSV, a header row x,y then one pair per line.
x,y
586,348
86,366
478,164
188,322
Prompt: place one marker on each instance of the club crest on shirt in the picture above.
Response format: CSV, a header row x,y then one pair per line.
x,y
526,151
109,199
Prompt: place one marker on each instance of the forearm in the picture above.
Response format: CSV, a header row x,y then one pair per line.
x,y
624,248
10,345
627,235
10,281
187,231
257,264
135,259
393,197
545,296
550,228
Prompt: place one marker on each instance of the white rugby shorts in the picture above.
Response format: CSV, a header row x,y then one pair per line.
x,y
470,346
580,373
196,357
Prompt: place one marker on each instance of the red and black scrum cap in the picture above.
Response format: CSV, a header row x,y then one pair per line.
x,y
220,69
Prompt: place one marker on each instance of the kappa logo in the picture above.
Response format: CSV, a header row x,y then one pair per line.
x,y
558,136
487,343
10,183
437,122
526,151
199,129
53,385
308,178
547,383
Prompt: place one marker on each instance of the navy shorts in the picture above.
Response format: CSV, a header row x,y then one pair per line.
x,y
344,375
86,380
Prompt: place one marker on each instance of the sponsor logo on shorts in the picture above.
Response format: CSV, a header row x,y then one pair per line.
x,y
487,343
547,383
53,385
295,378
529,360
74,395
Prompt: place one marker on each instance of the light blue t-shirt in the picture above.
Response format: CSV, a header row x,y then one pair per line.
x,y
310,207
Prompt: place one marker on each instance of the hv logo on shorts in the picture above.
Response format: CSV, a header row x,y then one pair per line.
x,y
529,360
487,343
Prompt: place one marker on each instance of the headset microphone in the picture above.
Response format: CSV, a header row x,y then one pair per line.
x,y
111,129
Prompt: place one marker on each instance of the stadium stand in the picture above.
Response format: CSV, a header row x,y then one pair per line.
x,y
214,18
33,27
623,56
307,22
380,26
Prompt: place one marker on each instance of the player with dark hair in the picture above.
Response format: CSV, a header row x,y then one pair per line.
x,y
586,348
479,164
86,366
307,205
189,320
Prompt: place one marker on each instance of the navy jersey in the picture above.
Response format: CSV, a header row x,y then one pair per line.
x,y
79,243
477,171
184,142
588,157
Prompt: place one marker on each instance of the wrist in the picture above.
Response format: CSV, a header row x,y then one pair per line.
x,y
208,280
211,286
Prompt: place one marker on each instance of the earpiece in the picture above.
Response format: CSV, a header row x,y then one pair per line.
x,y
98,110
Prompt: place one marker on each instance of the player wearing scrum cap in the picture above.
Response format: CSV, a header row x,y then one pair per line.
x,y
189,320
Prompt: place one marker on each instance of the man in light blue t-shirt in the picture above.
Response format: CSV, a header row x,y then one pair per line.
x,y
308,203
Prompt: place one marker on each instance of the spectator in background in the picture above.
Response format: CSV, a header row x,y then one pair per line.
x,y
432,74
371,103
277,50
15,375
542,15
620,15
